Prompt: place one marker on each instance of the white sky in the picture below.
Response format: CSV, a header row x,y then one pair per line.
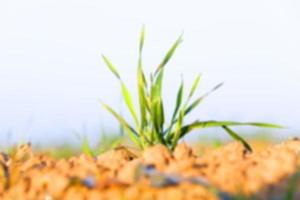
x,y
51,74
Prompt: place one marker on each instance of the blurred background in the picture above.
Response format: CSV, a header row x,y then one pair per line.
x,y
52,75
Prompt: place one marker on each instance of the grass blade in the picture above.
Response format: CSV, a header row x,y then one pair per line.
x,y
237,137
176,109
107,142
131,132
194,87
157,118
141,45
125,91
157,85
162,115
194,104
142,102
201,98
129,103
142,39
178,100
86,147
142,84
208,124
177,134
111,67
156,111
169,54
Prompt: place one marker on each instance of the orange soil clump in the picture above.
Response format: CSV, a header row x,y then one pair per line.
x,y
155,173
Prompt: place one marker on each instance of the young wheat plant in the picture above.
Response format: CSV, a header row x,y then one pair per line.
x,y
150,127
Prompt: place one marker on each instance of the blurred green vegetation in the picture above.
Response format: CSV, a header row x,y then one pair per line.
x,y
110,140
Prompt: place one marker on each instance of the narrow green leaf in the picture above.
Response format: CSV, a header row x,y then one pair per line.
x,y
193,105
131,132
176,109
86,147
116,142
237,137
194,87
141,72
154,104
209,124
107,142
157,85
201,98
142,101
129,103
161,113
111,67
177,134
169,54
157,109
142,38
156,112
178,100
142,84
144,80
157,117
141,45
151,78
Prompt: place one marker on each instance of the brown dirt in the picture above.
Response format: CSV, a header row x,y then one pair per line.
x,y
155,173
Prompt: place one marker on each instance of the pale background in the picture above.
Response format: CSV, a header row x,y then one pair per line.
x,y
51,74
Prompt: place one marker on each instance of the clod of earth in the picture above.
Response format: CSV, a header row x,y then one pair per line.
x,y
155,173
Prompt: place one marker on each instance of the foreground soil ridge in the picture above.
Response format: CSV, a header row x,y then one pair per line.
x,y
156,173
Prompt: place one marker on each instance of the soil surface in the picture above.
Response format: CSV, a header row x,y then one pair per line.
x,y
223,173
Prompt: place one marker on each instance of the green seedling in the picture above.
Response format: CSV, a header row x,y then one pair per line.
x,y
108,142
151,127
86,147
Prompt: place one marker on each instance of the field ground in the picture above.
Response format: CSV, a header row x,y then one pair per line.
x,y
213,171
